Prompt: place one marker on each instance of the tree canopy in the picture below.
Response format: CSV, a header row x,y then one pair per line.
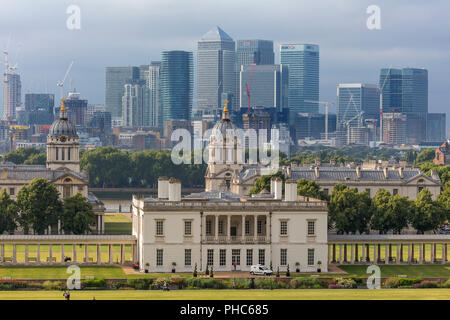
x,y
78,215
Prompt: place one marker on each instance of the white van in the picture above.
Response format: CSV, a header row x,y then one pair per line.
x,y
260,269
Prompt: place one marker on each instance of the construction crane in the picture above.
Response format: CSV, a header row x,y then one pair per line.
x,y
248,86
60,84
326,103
381,103
347,124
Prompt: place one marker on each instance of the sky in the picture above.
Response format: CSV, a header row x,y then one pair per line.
x,y
414,33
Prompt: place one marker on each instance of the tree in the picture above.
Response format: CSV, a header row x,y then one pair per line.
x,y
308,188
20,155
444,200
8,213
410,156
263,182
428,214
39,205
37,158
349,210
78,215
401,211
425,155
382,218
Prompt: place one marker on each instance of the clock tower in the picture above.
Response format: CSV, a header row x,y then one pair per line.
x,y
62,144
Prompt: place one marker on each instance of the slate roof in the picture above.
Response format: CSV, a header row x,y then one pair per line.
x,y
348,174
29,172
216,195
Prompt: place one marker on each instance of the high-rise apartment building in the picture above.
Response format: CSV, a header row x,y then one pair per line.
x,y
12,93
269,86
303,63
216,73
154,81
176,85
406,91
116,77
394,128
135,102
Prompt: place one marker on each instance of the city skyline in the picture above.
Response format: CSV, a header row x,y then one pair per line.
x,y
356,55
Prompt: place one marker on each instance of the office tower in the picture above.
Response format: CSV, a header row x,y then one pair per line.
x,y
436,127
115,78
215,69
394,128
269,86
12,93
354,99
176,85
39,108
76,109
135,102
303,63
312,125
406,91
153,80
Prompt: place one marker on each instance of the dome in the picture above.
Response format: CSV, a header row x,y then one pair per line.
x,y
63,126
224,124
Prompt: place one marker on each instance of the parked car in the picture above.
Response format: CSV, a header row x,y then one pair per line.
x,y
445,230
261,270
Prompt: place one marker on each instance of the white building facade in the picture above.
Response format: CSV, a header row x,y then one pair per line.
x,y
226,231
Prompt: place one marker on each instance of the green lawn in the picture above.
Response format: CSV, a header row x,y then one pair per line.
x,y
118,228
59,272
282,294
116,217
412,271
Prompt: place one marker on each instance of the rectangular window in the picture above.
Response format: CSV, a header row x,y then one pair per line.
x,y
67,192
220,226
368,191
325,191
259,226
159,227
57,151
419,189
283,257
262,256
310,257
208,227
249,257
188,228
62,153
247,227
223,257
159,257
210,257
236,256
283,228
395,192
187,257
311,228
11,191
68,153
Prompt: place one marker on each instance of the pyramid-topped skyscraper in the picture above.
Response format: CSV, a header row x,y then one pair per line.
x,y
216,70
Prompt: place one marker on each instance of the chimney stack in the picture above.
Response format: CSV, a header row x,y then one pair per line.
x,y
358,172
163,188
316,172
290,190
400,172
385,171
278,188
174,189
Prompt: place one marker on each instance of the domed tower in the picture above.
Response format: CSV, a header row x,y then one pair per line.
x,y
225,154
62,144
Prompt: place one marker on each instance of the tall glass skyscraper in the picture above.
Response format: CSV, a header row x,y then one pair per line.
x,y
12,94
176,85
303,63
115,78
215,69
354,98
406,91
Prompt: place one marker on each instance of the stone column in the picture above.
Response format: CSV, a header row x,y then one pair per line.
x,y
26,253
216,227
74,248
110,252
444,252
433,250
386,254
243,227
397,259
340,254
204,227
255,227
62,253
122,254
268,227
352,254
86,252
2,253
99,253
364,257
409,252
421,256
229,227
38,253
375,253
133,253
14,254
